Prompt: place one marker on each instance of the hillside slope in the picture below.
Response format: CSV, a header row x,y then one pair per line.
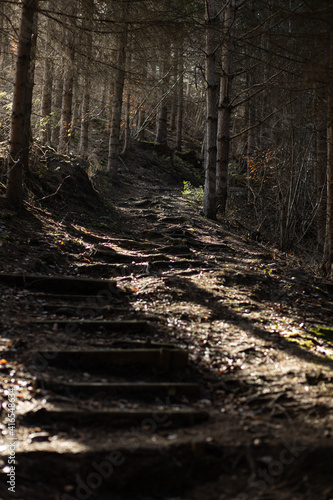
x,y
256,326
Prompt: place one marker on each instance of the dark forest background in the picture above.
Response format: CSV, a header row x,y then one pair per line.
x,y
245,86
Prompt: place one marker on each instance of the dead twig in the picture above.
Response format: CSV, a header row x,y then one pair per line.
x,y
56,191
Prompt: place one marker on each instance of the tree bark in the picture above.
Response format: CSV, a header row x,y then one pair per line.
x,y
2,50
174,96
46,107
209,205
66,109
224,110
251,117
127,130
67,89
88,12
85,110
162,124
21,112
117,101
180,104
162,114
140,127
141,113
56,108
45,126
328,249
30,87
320,171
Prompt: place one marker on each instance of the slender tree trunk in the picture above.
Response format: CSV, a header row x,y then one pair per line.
x,y
45,126
250,111
224,111
174,95
21,113
162,124
141,113
30,87
104,101
56,108
66,110
173,111
179,121
85,110
117,101
5,56
320,171
88,11
328,249
46,105
209,206
2,36
180,104
66,122
251,117
127,131
141,120
162,115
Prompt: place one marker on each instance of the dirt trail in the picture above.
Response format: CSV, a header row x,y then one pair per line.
x,y
233,342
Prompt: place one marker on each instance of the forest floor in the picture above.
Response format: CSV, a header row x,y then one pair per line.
x,y
256,324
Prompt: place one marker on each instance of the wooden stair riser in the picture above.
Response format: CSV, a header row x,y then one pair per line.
x,y
161,359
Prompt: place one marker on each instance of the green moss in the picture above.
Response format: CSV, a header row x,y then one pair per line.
x,y
195,193
323,331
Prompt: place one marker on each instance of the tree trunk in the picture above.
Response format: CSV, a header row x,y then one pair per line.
x,y
141,113
140,127
224,111
21,113
30,87
45,130
127,130
5,53
56,108
88,11
251,109
162,124
320,171
251,117
2,36
66,110
46,105
85,110
173,111
117,101
209,206
162,115
174,95
328,249
180,104
67,88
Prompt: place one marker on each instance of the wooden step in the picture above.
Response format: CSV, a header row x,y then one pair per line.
x,y
158,418
163,359
176,264
125,469
83,310
88,325
103,299
145,390
59,284
176,250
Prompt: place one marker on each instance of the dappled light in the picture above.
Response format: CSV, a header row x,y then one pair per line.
x,y
166,247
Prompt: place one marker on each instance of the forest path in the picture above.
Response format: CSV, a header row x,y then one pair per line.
x,y
250,415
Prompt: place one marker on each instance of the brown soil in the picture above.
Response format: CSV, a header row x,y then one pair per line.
x,y
257,326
